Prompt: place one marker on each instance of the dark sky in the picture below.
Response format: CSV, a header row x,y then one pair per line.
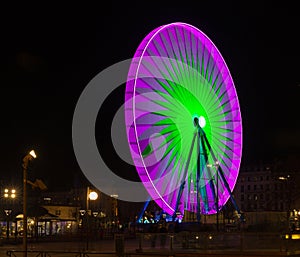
x,y
50,53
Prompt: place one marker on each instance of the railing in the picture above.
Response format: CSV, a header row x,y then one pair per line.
x,y
235,241
174,244
17,253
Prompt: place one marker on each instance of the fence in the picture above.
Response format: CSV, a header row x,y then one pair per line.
x,y
174,244
236,241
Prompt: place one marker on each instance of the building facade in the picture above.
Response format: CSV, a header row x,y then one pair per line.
x,y
261,189
268,196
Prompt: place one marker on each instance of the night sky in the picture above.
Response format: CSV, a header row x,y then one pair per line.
x,y
50,53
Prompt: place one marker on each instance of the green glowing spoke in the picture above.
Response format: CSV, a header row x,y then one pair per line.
x,y
168,150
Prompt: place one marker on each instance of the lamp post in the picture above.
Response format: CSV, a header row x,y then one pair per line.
x,y
91,195
9,194
7,212
287,180
95,227
29,157
82,213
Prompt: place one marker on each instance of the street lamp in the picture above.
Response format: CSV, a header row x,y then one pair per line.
x,y
9,194
90,195
95,227
29,157
93,195
287,180
95,214
115,206
7,212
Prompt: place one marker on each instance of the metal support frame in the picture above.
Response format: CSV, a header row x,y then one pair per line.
x,y
220,171
143,210
203,145
184,176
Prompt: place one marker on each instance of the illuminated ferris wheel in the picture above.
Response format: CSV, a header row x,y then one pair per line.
x,y
183,121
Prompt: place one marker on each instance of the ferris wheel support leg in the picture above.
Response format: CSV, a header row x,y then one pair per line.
x,y
198,176
183,178
215,191
204,163
144,209
220,171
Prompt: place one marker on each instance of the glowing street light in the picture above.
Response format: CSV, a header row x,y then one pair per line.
x,y
6,193
32,153
29,157
13,193
93,195
9,193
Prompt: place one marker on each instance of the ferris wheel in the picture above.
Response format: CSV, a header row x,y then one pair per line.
x,y
183,120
